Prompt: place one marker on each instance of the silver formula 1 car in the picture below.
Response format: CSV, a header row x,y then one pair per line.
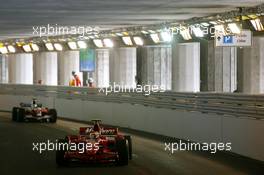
x,y
33,112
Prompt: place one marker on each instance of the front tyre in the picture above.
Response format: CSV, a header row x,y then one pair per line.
x,y
14,113
21,115
60,160
53,115
122,151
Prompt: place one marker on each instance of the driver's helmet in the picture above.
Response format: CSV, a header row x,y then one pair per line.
x,y
96,127
94,135
34,103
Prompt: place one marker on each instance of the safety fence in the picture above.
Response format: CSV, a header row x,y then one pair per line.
x,y
235,104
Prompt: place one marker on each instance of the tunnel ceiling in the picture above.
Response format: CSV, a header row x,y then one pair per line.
x,y
17,17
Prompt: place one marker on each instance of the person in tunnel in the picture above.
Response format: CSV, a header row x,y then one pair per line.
x,y
91,83
76,80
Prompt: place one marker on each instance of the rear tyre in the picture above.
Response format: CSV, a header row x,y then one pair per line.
x,y
53,115
14,113
21,115
122,152
129,142
60,160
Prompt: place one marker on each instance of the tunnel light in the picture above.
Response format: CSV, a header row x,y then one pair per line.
x,y
220,29
213,22
144,32
92,37
125,33
166,36
258,26
252,16
49,46
35,47
155,37
58,46
205,24
175,29
108,42
72,45
19,44
138,40
185,33
27,48
197,31
119,34
245,17
151,31
82,44
234,28
3,50
127,40
11,49
98,43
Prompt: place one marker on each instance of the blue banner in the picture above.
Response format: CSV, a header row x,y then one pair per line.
x,y
87,60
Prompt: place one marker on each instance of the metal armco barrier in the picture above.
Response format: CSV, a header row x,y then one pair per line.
x,y
235,104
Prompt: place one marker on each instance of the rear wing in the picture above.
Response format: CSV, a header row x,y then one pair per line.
x,y
25,105
28,105
104,131
109,131
85,130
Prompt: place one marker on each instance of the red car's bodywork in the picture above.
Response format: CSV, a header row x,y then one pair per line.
x,y
105,145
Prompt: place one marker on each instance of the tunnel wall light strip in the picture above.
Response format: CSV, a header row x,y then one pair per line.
x,y
155,37
3,50
138,41
49,46
98,43
82,44
72,45
258,26
108,42
127,40
11,49
58,47
35,47
26,48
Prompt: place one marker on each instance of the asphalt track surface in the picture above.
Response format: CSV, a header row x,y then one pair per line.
x,y
149,158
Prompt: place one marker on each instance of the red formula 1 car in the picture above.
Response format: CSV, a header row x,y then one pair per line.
x,y
33,112
102,145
